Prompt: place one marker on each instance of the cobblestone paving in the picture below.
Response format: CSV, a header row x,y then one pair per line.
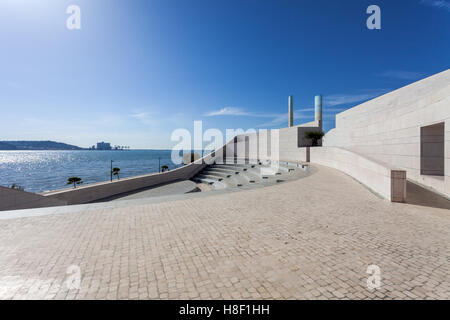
x,y
308,239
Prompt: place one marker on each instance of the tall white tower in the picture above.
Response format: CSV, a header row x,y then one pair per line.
x,y
318,109
291,111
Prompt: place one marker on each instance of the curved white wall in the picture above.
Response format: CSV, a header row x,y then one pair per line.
x,y
102,190
388,182
388,128
383,179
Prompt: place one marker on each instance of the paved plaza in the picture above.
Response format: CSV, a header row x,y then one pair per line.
x,y
311,238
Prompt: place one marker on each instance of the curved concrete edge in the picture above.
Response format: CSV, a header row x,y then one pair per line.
x,y
11,199
103,190
387,181
171,188
383,179
127,203
408,128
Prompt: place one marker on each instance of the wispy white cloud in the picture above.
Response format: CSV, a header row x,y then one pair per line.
x,y
278,119
145,117
339,99
402,75
282,118
141,115
233,111
228,111
151,118
441,4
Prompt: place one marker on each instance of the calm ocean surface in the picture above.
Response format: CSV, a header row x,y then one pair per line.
x,y
39,171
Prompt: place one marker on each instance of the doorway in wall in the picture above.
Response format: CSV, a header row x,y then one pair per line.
x,y
432,150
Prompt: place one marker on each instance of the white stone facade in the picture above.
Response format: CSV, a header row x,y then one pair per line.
x,y
408,128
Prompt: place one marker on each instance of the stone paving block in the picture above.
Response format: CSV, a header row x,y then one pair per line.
x,y
278,242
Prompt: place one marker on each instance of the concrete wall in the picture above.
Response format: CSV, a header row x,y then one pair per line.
x,y
102,190
387,181
11,199
288,143
388,128
384,180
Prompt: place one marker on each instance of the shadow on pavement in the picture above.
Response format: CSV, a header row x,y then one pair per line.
x,y
420,196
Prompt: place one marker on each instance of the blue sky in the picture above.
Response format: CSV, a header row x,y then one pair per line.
x,y
139,69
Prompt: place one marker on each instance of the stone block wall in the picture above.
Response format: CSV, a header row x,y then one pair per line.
x,y
403,129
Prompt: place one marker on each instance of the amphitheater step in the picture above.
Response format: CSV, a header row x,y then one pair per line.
x,y
205,180
234,167
218,173
226,170
209,176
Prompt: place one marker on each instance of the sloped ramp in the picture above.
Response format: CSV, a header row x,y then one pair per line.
x,y
175,188
12,199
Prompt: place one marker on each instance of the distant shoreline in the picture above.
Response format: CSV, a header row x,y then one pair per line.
x,y
49,145
37,145
87,149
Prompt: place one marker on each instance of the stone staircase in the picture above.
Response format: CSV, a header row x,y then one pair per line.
x,y
241,174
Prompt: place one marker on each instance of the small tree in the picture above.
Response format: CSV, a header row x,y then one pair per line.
x,y
164,168
74,181
115,172
315,136
17,187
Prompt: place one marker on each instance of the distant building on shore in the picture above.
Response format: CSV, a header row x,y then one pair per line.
x,y
107,146
121,148
103,146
